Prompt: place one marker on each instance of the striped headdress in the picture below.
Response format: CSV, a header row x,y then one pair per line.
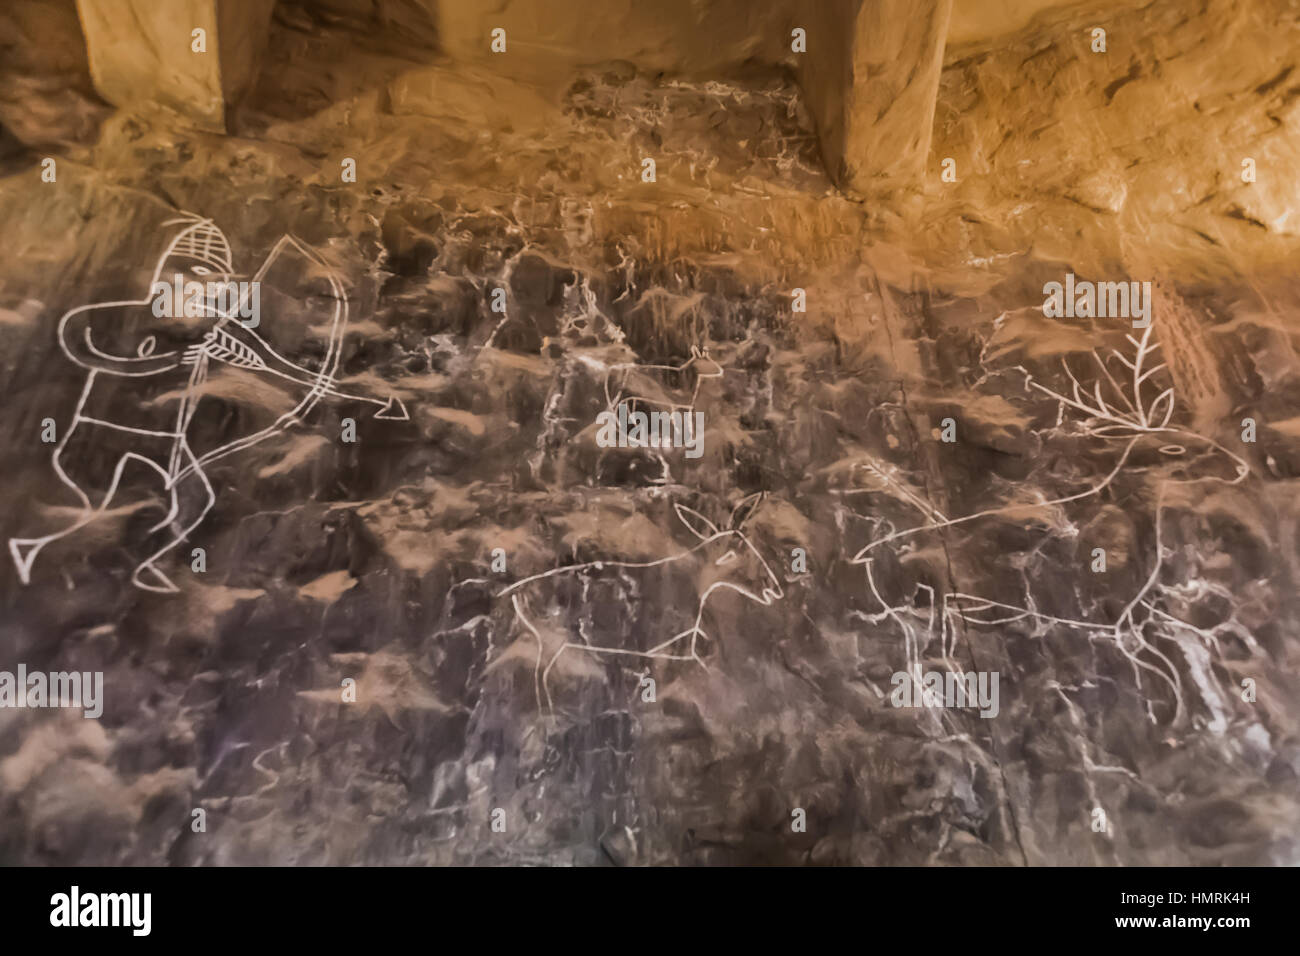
x,y
202,241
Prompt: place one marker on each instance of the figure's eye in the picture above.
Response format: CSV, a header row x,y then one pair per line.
x,y
1172,450
146,347
201,271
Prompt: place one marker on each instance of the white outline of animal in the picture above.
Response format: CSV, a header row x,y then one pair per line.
x,y
697,355
627,368
707,533
1141,418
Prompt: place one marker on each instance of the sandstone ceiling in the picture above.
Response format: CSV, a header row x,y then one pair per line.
x,y
840,261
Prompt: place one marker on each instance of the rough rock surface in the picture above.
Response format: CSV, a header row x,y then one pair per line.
x,y
870,85
141,52
46,96
1121,690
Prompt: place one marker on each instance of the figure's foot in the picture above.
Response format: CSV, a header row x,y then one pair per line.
x,y
24,551
149,578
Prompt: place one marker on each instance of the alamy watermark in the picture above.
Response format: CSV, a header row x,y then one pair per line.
x,y
195,300
75,908
54,689
947,689
633,429
1085,300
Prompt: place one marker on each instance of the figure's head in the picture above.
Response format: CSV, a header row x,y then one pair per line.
x,y
734,561
705,367
198,252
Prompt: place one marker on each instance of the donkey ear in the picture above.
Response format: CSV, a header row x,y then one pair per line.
x,y
715,370
612,398
696,523
746,508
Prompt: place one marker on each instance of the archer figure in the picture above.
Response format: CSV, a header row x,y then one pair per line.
x,y
105,338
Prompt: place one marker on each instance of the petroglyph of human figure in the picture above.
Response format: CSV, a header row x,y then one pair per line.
x,y
122,344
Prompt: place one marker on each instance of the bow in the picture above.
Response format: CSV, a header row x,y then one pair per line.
x,y
224,347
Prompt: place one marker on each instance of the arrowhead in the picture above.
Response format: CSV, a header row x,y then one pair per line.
x,y
393,411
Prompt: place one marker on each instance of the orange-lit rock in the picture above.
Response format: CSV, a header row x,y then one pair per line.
x,y
148,52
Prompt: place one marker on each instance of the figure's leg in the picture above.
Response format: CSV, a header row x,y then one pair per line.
x,y
192,498
93,502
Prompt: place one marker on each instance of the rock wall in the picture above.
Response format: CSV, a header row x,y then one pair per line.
x,y
472,555
676,36
46,95
142,52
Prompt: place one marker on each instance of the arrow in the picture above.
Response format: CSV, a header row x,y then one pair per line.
x,y
393,411
390,409
225,348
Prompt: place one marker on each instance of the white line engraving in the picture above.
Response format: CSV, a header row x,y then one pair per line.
x,y
1142,416
160,440
733,551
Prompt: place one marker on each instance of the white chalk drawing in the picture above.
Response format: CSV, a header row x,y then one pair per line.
x,y
1143,411
200,252
660,388
750,576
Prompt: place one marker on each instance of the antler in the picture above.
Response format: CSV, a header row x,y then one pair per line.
x,y
1138,414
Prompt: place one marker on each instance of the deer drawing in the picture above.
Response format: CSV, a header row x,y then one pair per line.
x,y
1130,414
667,395
673,388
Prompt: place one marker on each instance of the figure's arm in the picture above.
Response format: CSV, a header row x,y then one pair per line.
x,y
99,337
235,343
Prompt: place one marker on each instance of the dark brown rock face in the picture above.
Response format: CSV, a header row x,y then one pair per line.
x,y
46,96
370,571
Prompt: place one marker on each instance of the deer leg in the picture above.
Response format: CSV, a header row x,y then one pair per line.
x,y
537,669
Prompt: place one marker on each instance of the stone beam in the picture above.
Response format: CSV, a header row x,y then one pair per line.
x,y
144,51
871,78
546,38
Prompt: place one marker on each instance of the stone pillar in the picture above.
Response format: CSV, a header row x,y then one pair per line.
x,y
871,77
143,51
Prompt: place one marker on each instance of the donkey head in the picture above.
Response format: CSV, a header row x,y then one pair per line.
x,y
731,555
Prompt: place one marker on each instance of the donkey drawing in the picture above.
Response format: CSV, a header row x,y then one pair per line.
x,y
721,560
